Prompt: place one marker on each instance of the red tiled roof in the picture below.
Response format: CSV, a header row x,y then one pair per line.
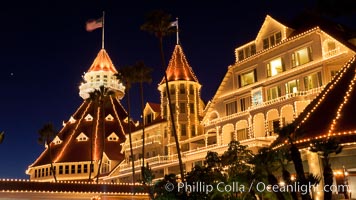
x,y
102,62
71,150
179,68
156,107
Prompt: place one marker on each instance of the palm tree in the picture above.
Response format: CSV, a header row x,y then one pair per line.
x,y
47,134
324,148
295,155
158,23
126,74
2,136
102,93
143,75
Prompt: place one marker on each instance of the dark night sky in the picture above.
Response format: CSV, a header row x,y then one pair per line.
x,y
44,50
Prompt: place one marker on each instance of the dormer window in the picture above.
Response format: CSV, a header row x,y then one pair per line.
x,y
72,120
272,40
113,137
57,141
89,117
246,52
82,137
109,118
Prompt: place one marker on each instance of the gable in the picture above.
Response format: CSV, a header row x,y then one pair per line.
x,y
82,137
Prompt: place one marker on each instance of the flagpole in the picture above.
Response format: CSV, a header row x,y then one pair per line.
x,y
103,31
177,31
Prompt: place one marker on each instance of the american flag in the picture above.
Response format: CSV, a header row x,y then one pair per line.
x,y
94,24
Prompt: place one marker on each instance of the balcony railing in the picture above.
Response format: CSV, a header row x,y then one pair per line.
x,y
148,140
332,53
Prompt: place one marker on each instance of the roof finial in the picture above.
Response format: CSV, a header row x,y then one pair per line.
x,y
103,31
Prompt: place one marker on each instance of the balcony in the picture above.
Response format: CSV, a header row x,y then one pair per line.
x,y
149,140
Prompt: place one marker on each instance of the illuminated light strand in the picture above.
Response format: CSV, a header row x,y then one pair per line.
x,y
346,98
96,138
59,156
326,91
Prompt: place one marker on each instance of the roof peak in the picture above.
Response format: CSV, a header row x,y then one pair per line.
x,y
102,62
178,67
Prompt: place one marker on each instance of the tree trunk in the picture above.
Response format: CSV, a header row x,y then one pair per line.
x,y
328,178
91,142
143,135
130,138
170,110
273,181
298,166
50,158
102,120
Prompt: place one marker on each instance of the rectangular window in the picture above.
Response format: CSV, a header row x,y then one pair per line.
x,y
61,169
165,112
248,78
72,170
265,43
292,87
273,127
231,108
253,49
172,89
79,169
192,130
191,108
42,172
278,37
92,167
183,129
36,173
181,89
191,89
182,107
301,56
66,169
273,93
242,134
85,169
257,98
173,109
46,171
312,81
275,67
165,133
240,54
54,169
245,103
271,40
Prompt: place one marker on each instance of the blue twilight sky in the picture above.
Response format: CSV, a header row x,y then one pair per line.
x,y
44,50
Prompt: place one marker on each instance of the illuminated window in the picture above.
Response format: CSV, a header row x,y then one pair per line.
x,y
242,134
275,67
272,40
257,98
231,108
273,93
105,167
88,117
109,117
248,78
301,56
113,137
312,81
182,107
183,130
292,87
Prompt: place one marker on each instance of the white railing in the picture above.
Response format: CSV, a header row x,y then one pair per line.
x,y
267,103
152,161
148,140
332,53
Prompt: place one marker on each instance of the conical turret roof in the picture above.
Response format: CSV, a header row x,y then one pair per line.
x,y
82,138
102,62
179,68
